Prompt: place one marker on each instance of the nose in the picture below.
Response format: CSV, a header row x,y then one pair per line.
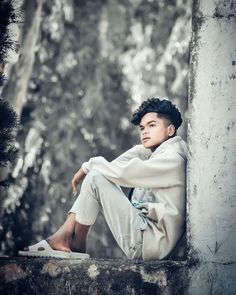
x,y
144,131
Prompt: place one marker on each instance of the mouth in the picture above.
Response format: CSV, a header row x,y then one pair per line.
x,y
145,139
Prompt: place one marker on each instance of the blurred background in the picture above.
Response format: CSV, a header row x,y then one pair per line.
x,y
82,69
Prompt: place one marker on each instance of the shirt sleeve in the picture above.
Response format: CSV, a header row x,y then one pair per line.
x,y
164,170
138,151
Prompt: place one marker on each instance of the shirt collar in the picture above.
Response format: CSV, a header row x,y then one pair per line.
x,y
166,143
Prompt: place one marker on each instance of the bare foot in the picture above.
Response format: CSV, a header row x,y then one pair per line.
x,y
58,245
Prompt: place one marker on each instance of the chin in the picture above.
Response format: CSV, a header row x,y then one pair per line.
x,y
151,147
148,146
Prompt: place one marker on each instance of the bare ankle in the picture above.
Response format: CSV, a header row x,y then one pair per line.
x,y
77,246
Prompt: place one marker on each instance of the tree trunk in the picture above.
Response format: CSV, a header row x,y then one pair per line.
x,y
16,89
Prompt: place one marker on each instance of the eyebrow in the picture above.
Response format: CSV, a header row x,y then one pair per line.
x,y
148,123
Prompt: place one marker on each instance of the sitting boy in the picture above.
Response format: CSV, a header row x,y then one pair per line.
x,y
151,224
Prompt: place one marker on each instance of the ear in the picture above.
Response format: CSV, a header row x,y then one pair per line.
x,y
171,130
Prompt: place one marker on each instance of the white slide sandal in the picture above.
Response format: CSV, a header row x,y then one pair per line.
x,y
43,249
78,255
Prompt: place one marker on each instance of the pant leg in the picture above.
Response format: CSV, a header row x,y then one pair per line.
x,y
98,193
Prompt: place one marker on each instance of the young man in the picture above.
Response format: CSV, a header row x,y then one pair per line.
x,y
148,227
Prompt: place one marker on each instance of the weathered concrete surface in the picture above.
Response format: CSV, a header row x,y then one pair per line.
x,y
212,147
55,276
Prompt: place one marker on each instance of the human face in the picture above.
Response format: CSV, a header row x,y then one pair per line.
x,y
154,131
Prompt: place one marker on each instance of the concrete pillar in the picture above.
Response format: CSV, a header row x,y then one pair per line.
x,y
212,148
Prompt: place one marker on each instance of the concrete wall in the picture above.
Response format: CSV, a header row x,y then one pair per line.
x,y
212,146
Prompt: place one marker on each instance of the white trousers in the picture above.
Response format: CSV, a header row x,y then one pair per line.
x,y
98,193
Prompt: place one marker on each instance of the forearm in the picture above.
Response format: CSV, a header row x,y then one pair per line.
x,y
79,176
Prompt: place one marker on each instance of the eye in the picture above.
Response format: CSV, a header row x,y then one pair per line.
x,y
152,125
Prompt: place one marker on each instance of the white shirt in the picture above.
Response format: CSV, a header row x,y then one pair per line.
x,y
159,181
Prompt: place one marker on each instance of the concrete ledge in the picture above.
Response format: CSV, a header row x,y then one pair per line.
x,y
57,276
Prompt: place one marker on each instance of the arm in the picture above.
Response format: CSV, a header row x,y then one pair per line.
x,y
136,151
164,170
79,176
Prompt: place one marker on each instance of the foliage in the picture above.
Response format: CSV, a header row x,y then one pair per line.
x,y
8,118
9,14
8,124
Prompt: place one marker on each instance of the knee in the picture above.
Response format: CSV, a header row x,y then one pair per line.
x,y
95,177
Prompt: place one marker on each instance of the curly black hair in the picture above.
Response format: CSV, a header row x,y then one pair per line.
x,y
162,107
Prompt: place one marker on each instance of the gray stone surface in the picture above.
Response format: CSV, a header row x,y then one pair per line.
x,y
57,276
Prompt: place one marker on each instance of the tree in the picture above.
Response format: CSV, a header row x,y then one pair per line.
x,y
9,16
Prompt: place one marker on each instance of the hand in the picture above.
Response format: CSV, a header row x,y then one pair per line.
x,y
79,175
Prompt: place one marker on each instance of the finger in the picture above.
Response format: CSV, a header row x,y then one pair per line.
x,y
74,184
74,187
75,193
